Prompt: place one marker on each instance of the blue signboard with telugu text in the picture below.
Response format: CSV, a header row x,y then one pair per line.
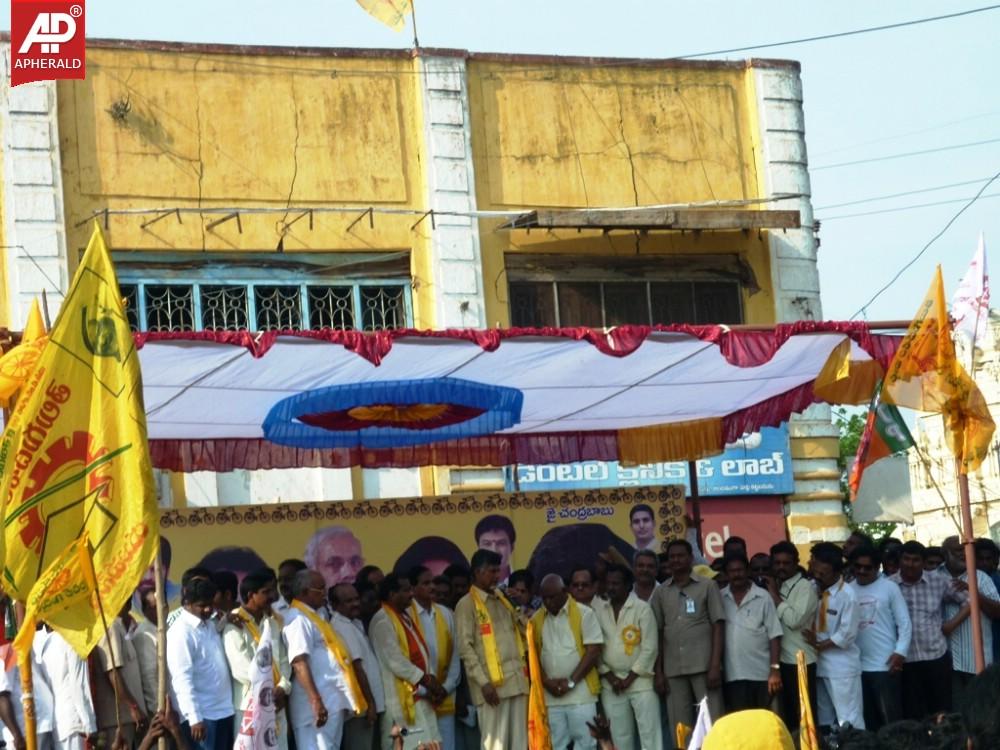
x,y
758,464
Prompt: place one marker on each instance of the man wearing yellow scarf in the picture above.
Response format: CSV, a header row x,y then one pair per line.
x,y
570,642
493,653
325,690
257,590
411,689
437,626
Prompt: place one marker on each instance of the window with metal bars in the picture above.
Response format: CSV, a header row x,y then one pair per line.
x,y
603,304
196,306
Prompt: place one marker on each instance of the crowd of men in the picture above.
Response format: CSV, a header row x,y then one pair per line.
x,y
443,661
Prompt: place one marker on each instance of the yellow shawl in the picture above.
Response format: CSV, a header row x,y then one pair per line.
x,y
251,626
488,634
340,653
445,649
576,625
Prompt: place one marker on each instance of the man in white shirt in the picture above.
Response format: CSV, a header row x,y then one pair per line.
x,y
119,679
142,634
359,731
11,713
73,718
958,624
795,603
286,576
412,690
751,668
838,665
323,690
199,671
646,565
884,632
436,625
241,640
628,663
570,640
42,690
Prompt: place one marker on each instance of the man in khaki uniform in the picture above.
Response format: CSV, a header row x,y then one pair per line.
x,y
492,650
628,664
690,615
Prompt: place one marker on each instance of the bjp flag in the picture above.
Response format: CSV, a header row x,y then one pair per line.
x,y
76,485
17,364
924,374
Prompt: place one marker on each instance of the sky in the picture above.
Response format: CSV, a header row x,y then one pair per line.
x,y
870,96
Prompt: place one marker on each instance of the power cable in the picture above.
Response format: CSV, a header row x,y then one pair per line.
x,y
770,45
853,32
933,239
909,207
887,196
906,134
904,154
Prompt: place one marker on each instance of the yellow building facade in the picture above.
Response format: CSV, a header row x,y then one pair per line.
x,y
273,188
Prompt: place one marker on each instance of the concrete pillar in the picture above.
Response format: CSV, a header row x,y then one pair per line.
x,y
814,512
34,218
457,262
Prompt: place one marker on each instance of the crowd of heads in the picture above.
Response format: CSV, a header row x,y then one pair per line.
x,y
206,591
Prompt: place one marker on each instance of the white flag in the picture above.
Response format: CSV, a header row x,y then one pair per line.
x,y
258,730
702,726
971,305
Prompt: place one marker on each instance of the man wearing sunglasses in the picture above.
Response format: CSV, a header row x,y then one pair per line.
x,y
884,633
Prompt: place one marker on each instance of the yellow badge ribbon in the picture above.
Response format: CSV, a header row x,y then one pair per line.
x,y
631,637
340,653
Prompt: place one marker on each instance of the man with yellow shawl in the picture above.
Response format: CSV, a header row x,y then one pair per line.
x,y
411,689
492,650
325,688
436,624
569,641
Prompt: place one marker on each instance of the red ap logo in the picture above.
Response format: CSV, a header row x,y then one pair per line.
x,y
47,41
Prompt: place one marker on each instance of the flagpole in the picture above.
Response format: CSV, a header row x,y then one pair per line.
x,y
413,15
161,643
970,567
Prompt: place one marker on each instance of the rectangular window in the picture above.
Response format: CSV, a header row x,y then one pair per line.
x,y
603,304
265,307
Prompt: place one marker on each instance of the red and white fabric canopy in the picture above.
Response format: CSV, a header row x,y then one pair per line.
x,y
634,393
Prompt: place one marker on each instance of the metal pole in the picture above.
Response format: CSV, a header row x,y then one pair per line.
x,y
695,501
970,567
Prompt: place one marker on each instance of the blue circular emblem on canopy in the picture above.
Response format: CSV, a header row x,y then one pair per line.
x,y
392,414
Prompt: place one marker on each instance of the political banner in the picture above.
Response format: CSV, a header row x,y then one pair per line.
x,y
758,464
544,532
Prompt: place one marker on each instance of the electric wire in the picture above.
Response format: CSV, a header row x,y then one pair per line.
x,y
904,155
887,196
910,207
861,310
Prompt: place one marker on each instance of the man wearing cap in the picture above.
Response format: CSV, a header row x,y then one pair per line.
x,y
689,613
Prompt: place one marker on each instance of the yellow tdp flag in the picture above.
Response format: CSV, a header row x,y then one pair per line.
x,y
17,364
808,739
74,464
390,12
538,719
924,374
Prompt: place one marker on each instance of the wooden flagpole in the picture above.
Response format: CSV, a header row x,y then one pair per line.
x,y
968,540
161,643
